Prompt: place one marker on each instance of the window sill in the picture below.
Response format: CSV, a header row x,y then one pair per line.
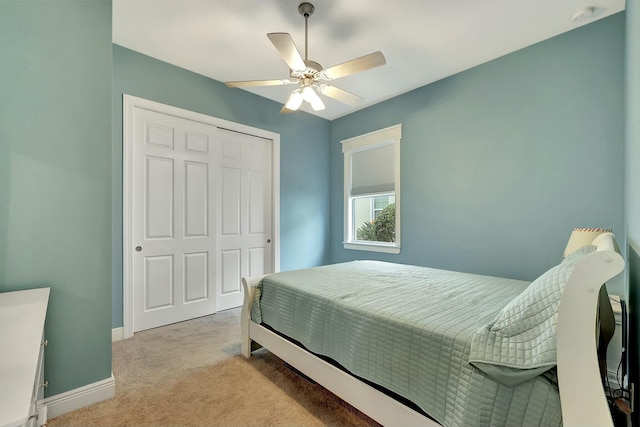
x,y
390,249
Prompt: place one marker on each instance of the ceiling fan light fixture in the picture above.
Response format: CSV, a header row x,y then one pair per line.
x,y
295,100
317,104
308,93
312,97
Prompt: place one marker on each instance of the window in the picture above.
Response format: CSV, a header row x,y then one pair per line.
x,y
372,191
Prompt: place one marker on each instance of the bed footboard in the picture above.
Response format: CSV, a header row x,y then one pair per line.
x,y
247,345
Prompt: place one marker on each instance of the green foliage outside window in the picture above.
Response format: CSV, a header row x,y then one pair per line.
x,y
381,229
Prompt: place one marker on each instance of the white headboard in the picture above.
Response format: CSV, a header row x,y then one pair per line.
x,y
582,395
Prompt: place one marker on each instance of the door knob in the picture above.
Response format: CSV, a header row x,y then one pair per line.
x,y
268,240
138,248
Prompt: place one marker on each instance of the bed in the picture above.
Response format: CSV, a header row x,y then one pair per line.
x,y
412,345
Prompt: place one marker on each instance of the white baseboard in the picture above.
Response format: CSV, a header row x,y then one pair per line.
x,y
80,397
117,334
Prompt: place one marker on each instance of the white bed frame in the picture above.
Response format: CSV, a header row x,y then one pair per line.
x,y
581,393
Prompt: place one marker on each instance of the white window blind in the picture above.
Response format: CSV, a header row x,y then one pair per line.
x,y
373,170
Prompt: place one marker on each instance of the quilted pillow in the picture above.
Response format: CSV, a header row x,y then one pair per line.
x,y
523,334
579,253
538,303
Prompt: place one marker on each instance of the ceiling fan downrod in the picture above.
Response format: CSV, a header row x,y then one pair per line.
x,y
306,10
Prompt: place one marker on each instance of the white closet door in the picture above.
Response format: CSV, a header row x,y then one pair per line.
x,y
201,216
244,226
173,212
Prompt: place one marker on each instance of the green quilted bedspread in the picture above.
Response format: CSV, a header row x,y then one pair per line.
x,y
408,329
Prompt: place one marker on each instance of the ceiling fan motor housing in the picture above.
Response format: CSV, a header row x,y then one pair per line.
x,y
306,9
313,72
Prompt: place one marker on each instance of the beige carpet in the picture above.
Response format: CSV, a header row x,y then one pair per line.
x,y
192,374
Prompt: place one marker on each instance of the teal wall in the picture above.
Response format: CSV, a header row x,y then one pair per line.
x,y
55,176
544,117
304,153
501,162
632,184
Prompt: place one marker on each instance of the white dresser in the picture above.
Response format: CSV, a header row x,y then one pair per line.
x,y
22,315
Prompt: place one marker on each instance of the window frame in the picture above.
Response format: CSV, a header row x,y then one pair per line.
x,y
387,136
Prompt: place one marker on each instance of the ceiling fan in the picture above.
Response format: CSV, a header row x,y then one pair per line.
x,y
309,75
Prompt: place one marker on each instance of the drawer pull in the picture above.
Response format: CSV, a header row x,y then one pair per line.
x,y
45,343
45,384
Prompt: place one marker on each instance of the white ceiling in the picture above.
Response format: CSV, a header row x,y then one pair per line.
x,y
422,40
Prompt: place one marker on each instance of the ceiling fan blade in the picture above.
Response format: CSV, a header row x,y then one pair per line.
x,y
288,50
355,65
248,83
340,95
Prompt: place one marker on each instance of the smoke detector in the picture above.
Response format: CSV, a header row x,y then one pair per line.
x,y
583,14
